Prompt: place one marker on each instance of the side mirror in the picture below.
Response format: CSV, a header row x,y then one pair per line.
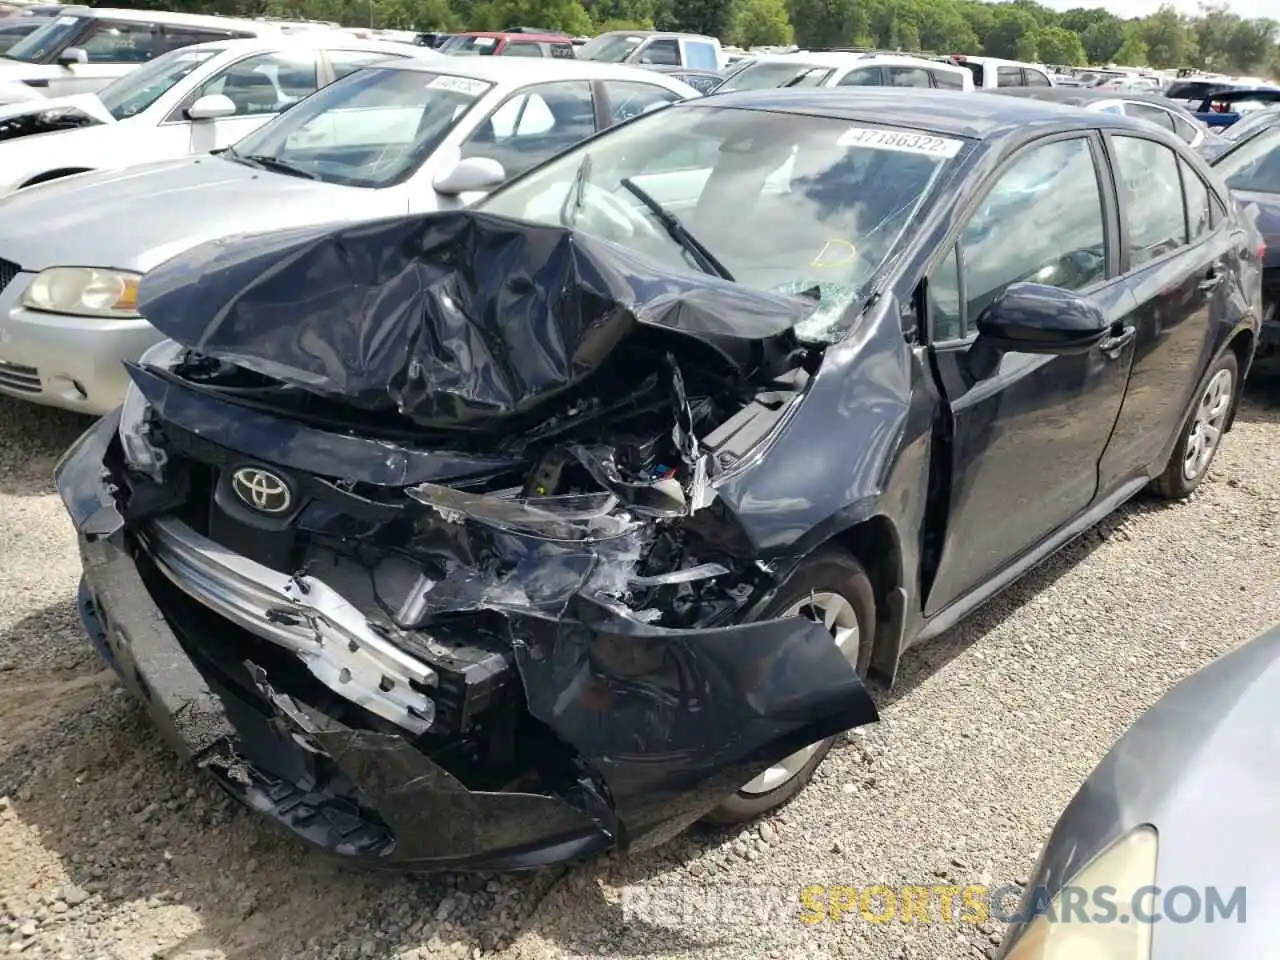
x,y
211,107
473,173
72,55
1034,318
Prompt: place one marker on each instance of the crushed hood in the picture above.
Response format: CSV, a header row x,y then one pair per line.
x,y
455,319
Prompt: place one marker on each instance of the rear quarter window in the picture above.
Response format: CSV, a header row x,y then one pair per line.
x,y
947,79
700,55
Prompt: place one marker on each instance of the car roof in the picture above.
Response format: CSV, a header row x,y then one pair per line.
x,y
658,33
851,58
944,112
312,39
521,70
177,19
508,35
1079,95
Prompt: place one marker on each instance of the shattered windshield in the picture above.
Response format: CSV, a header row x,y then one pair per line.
x,y
373,128
783,203
140,88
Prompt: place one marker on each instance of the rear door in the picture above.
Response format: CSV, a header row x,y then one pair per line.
x,y
1025,442
1175,256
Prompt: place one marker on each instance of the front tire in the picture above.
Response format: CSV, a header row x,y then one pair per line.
x,y
832,588
1202,431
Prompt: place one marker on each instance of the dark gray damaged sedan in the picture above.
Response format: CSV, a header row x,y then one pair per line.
x,y
1165,851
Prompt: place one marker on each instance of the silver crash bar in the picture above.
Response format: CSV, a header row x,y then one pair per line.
x,y
302,614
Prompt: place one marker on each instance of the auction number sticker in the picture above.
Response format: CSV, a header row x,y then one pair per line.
x,y
472,88
902,142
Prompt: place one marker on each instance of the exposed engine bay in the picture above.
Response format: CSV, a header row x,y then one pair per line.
x,y
510,556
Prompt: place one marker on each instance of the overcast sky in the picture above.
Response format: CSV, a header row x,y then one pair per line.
x,y
1140,8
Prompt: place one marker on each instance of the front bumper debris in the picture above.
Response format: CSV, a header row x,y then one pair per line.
x,y
644,728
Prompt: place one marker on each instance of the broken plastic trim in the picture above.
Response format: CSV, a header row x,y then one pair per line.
x,y
302,614
567,517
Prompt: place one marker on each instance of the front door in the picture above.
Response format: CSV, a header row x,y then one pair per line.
x,y
1027,439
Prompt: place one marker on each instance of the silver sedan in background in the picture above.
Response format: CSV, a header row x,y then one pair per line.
x,y
397,137
1166,850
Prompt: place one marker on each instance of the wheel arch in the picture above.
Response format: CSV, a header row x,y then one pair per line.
x,y
875,543
1242,343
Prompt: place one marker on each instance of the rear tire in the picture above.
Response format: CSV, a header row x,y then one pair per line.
x,y
829,582
1202,430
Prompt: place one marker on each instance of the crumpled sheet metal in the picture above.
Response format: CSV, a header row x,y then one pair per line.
x,y
454,319
674,720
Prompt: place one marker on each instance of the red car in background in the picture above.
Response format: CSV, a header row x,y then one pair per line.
x,y
509,44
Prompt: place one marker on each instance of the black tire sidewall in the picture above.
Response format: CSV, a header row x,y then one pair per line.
x,y
1172,483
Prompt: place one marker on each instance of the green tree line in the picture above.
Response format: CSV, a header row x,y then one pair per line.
x,y
1216,39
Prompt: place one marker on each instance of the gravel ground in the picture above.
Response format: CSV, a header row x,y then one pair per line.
x,y
108,849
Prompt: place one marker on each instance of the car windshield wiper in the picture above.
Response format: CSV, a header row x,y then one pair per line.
x,y
267,162
678,232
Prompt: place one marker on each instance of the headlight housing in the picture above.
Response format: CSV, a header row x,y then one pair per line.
x,y
1125,867
140,453
84,292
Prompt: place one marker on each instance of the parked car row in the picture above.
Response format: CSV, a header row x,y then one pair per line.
x,y
444,505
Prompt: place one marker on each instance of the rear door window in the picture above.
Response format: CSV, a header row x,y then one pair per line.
x,y
1034,78
629,99
522,48
947,79
1199,209
862,77
700,54
1151,198
563,51
908,77
664,51
1009,77
1151,114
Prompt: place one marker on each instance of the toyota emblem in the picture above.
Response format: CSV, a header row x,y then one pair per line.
x,y
262,490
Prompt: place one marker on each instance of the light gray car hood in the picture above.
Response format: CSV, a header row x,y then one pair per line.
x,y
1202,766
136,218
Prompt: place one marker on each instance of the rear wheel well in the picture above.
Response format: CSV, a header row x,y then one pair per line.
x,y
874,544
54,175
1242,346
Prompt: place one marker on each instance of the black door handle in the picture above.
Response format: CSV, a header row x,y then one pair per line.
x,y
1116,342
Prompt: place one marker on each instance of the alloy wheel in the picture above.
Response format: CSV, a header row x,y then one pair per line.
x,y
1207,425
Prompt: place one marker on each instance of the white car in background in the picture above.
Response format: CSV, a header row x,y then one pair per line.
x,y
193,100
83,49
406,135
835,69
